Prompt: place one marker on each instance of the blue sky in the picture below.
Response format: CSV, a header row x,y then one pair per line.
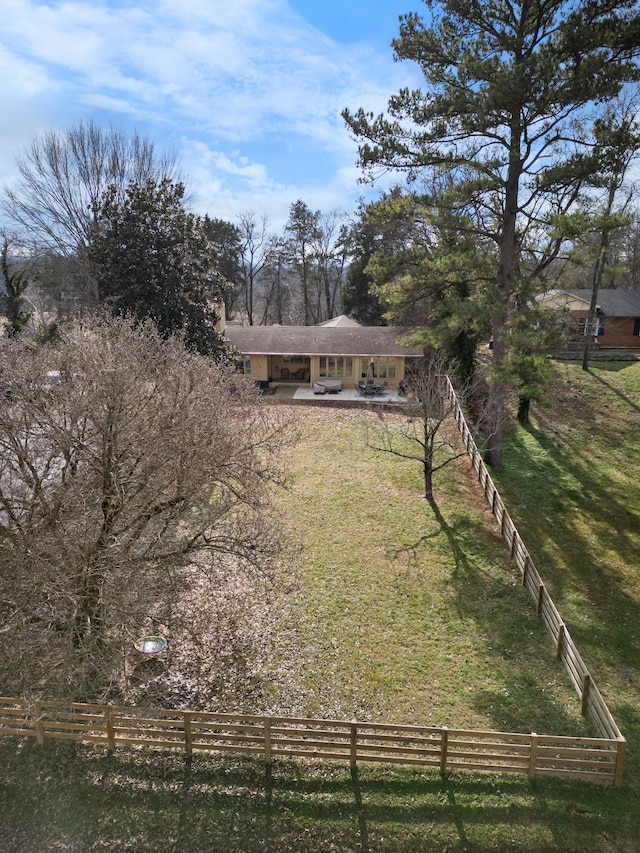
x,y
248,92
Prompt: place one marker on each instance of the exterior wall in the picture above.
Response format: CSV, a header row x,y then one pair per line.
x,y
222,314
575,324
359,372
260,368
305,370
565,301
618,331
290,369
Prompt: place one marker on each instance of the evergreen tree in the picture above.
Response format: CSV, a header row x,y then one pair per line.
x,y
433,276
377,233
15,283
153,261
509,86
226,246
302,228
617,142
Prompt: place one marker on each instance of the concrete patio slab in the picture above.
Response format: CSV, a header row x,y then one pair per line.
x,y
349,395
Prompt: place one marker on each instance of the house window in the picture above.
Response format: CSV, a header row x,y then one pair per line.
x,y
636,326
598,326
336,367
243,365
383,368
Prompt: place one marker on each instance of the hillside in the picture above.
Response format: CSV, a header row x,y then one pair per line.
x,y
572,483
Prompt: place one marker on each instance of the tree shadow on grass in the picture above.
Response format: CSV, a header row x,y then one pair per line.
x,y
526,688
580,523
611,388
560,486
82,800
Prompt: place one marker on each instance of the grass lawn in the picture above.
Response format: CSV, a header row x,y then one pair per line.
x,y
411,612
406,612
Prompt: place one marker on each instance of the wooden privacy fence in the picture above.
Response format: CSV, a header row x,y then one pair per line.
x,y
445,750
592,704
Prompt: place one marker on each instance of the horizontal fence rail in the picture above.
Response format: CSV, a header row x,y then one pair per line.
x,y
443,749
593,705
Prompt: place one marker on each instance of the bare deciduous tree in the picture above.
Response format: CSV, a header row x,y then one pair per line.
x,y
422,436
331,259
276,284
254,253
131,472
62,176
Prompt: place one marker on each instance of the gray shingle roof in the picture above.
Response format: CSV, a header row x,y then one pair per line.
x,y
614,302
319,340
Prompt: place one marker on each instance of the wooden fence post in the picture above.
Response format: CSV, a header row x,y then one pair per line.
x,y
560,640
617,780
514,537
444,743
353,753
533,755
188,741
586,682
267,739
37,713
540,598
525,569
108,724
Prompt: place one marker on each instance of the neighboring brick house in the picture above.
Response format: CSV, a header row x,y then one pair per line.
x,y
617,318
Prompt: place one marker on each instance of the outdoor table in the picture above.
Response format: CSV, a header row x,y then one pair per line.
x,y
332,385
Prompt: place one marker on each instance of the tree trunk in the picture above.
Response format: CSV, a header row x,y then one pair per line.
x,y
495,420
524,404
428,479
496,403
88,621
504,286
597,282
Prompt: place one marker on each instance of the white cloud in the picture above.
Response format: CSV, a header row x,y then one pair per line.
x,y
228,77
27,77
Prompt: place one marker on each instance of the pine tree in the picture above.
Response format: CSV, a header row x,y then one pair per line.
x,y
509,87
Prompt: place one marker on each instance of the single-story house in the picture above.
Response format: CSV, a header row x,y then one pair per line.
x,y
338,349
617,321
